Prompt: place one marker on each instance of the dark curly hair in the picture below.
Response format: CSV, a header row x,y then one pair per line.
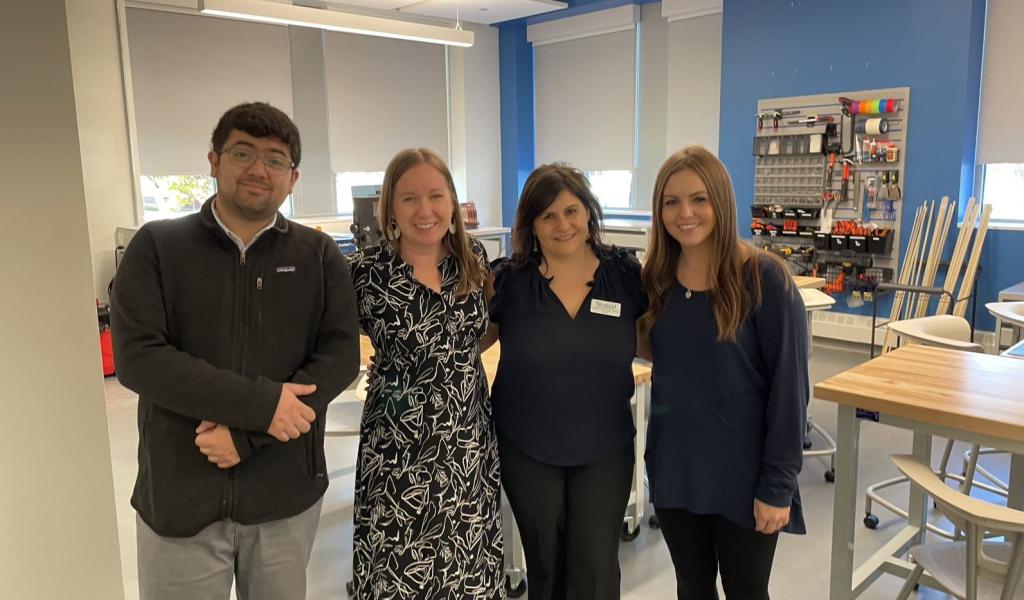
x,y
259,119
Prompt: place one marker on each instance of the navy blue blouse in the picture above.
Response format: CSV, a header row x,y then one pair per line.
x,y
728,418
561,394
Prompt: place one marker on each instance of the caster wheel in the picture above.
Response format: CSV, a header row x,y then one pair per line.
x,y
626,535
830,476
514,592
350,589
808,443
870,521
653,522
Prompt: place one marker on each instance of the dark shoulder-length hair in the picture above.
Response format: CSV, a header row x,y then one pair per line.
x,y
541,188
471,272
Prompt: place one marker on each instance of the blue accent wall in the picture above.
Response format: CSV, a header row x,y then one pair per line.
x,y
776,48
515,61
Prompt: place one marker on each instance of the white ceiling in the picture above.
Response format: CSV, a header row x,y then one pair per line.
x,y
486,12
473,11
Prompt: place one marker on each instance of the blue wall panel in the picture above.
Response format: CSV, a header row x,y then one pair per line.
x,y
776,48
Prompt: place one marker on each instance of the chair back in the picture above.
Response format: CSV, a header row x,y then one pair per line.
x,y
977,518
942,331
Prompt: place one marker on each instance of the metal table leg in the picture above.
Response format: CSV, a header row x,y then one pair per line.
x,y
844,507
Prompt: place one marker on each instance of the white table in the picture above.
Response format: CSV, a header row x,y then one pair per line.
x,y
501,235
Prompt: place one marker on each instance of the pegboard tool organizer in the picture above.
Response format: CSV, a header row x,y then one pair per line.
x,y
833,159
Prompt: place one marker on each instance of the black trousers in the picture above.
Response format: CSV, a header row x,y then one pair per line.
x,y
569,519
701,545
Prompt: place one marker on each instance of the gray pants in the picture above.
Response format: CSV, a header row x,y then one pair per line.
x,y
268,561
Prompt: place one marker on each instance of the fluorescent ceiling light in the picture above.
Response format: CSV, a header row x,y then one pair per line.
x,y
332,20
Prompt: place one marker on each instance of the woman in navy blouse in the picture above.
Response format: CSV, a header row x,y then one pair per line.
x,y
566,307
728,339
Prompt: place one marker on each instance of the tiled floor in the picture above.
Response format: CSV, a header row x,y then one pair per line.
x,y
802,562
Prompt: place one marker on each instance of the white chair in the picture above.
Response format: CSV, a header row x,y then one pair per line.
x,y
943,331
1008,313
971,569
953,333
815,300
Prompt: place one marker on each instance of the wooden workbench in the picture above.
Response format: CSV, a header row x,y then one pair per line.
x,y
975,398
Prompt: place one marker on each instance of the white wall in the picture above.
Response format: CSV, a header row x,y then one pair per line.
x,y
483,125
57,516
102,131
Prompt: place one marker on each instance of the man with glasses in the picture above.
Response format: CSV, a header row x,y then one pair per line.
x,y
236,327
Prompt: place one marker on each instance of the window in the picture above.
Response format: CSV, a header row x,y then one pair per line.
x,y
170,196
1003,188
612,188
343,183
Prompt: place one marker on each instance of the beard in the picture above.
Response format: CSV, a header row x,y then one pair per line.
x,y
256,209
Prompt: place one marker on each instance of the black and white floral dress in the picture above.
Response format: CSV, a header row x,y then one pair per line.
x,y
427,506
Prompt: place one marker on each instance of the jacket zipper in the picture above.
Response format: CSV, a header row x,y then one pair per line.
x,y
242,327
259,303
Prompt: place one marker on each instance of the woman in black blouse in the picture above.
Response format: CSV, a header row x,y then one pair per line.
x,y
566,308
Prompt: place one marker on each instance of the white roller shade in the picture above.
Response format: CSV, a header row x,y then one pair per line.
x,y
384,95
694,82
1001,129
585,92
187,70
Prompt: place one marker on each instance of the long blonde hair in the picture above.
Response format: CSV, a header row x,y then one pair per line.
x,y
730,299
471,272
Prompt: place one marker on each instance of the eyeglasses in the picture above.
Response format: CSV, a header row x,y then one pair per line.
x,y
243,155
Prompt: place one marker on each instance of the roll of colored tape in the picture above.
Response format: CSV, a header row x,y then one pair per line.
x,y
876,126
892,105
855,107
874,106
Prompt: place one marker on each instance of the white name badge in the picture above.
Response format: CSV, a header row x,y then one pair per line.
x,y
605,307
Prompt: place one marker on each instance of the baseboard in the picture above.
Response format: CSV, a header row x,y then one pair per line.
x,y
835,325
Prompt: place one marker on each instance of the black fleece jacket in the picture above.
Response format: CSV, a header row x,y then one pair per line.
x,y
203,332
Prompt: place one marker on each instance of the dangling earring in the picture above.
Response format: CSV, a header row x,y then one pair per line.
x,y
451,226
395,231
536,246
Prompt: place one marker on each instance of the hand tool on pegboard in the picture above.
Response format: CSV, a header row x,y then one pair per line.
x,y
775,115
845,188
827,194
811,120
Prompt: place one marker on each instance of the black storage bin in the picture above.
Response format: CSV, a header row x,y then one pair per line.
x,y
880,244
838,242
821,240
857,243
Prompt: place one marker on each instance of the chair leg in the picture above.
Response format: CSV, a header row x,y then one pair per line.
x,y
908,586
1013,571
944,463
972,466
